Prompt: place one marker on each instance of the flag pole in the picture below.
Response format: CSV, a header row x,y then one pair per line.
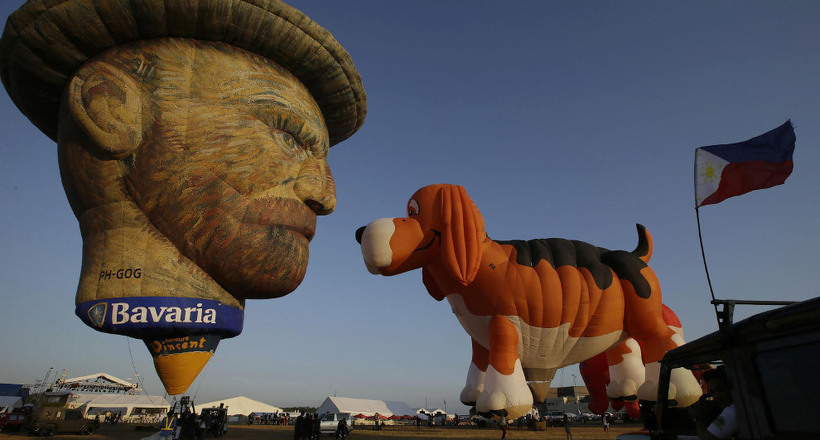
x,y
700,239
705,267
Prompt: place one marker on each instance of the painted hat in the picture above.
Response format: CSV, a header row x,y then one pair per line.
x,y
45,41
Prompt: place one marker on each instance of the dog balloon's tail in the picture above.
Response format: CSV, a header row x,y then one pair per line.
x,y
645,247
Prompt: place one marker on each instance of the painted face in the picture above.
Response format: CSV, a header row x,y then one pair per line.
x,y
233,166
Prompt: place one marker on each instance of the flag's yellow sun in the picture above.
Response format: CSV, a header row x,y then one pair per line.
x,y
709,173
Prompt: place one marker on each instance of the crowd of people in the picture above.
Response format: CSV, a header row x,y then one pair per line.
x,y
189,425
308,427
108,417
268,418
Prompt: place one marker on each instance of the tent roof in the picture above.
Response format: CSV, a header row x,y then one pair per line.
x,y
96,376
430,411
116,400
240,405
364,406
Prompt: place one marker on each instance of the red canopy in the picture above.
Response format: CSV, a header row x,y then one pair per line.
x,y
359,416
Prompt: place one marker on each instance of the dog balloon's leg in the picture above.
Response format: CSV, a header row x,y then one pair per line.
x,y
505,388
644,320
626,370
475,375
684,388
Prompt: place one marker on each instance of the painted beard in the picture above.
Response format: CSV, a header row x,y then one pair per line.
x,y
254,249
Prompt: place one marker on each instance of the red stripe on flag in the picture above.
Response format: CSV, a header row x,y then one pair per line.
x,y
741,177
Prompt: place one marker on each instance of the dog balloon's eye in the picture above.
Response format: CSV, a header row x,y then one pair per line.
x,y
412,207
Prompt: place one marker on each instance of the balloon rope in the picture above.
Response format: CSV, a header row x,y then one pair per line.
x,y
136,374
705,267
200,378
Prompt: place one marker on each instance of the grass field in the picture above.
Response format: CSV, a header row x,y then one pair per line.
x,y
263,432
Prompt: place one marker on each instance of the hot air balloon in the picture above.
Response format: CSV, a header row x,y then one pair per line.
x,y
181,128
529,306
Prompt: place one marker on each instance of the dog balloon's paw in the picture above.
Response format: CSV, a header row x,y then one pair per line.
x,y
625,389
505,394
469,396
474,386
649,389
684,389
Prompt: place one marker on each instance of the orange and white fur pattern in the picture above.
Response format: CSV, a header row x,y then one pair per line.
x,y
531,307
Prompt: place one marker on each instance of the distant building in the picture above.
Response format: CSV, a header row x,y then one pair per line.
x,y
572,399
11,396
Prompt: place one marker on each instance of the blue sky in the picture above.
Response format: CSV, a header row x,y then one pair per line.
x,y
561,119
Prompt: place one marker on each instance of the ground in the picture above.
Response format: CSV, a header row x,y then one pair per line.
x,y
592,431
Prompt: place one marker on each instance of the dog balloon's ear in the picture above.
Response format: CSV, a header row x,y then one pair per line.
x,y
462,231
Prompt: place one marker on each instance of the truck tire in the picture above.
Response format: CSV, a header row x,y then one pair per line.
x,y
87,430
48,431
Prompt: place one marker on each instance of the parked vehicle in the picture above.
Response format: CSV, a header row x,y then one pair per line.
x,y
49,420
557,417
219,421
12,421
330,421
770,361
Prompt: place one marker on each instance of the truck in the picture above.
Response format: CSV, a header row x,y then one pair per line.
x,y
771,360
53,414
47,421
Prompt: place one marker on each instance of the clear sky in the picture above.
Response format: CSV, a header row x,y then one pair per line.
x,y
561,119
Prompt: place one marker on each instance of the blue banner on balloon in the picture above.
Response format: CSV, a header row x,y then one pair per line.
x,y
161,316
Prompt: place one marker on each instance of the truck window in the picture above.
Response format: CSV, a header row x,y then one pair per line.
x,y
785,376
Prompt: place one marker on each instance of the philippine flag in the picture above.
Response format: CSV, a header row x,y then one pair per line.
x,y
723,171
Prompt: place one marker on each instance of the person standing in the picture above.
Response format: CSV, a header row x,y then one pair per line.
x,y
297,428
168,426
200,428
605,421
341,429
568,427
503,425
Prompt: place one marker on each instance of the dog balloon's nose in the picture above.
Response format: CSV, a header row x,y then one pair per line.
x,y
359,233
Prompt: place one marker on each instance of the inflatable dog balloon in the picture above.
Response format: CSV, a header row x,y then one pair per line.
x,y
193,139
533,306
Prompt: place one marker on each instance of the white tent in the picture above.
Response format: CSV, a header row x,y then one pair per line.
x,y
133,407
348,405
240,405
